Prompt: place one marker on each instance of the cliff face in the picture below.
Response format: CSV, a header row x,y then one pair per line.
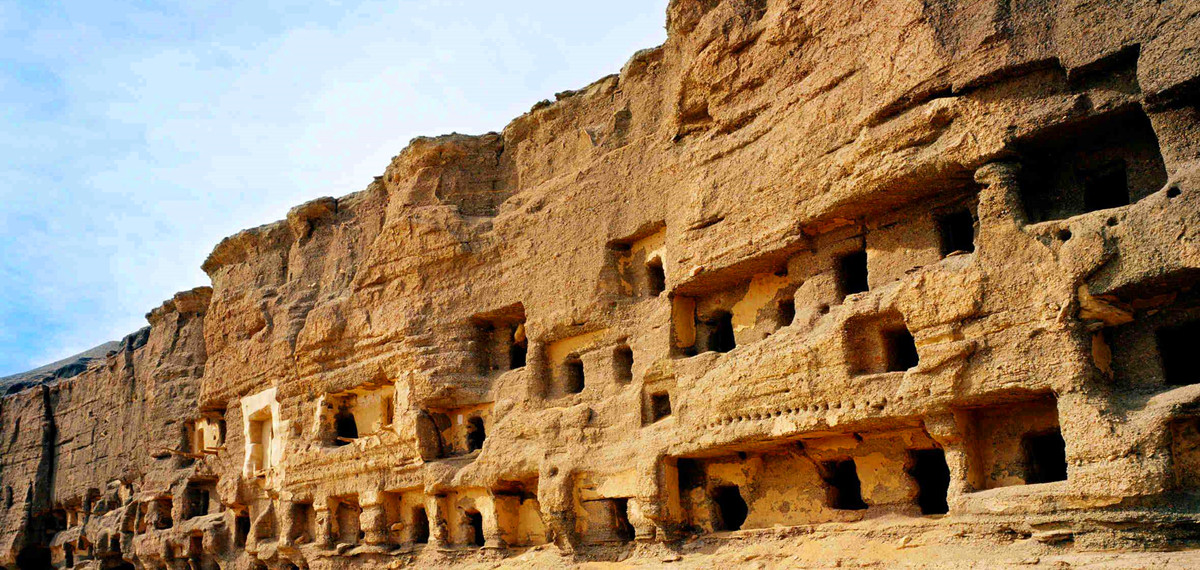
x,y
903,280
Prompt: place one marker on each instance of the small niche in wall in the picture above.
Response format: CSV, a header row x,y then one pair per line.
x,y
731,507
1105,186
660,406
785,313
623,364
1015,443
197,498
453,432
303,523
656,277
420,525
900,349
346,515
852,273
844,489
572,374
345,426
499,339
957,232
241,528
880,343
1176,346
475,434
474,520
717,331
635,263
1101,162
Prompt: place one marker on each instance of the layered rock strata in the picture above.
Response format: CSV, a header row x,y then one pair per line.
x,y
812,283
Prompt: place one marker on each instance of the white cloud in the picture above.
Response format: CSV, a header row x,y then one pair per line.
x,y
167,143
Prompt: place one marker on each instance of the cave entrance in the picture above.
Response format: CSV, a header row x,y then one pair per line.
x,y
731,507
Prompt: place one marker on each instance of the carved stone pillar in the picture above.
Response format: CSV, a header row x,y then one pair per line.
x,y
1000,200
439,532
373,519
323,513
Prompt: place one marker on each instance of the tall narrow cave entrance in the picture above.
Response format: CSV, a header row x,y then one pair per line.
x,y
932,476
731,507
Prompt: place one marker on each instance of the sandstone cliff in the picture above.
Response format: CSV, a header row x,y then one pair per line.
x,y
811,284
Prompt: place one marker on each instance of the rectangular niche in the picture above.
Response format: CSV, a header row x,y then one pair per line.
x,y
518,514
1175,352
1016,443
206,435
956,231
499,339
200,498
880,343
345,511
1102,162
1185,452
607,521
1155,349
574,363
636,266
362,411
731,310
302,522
260,416
457,431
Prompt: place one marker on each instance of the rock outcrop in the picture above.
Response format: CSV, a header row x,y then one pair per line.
x,y
812,284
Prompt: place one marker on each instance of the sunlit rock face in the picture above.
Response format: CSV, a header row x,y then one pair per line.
x,y
811,284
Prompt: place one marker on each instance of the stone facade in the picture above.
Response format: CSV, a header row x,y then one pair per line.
x,y
812,284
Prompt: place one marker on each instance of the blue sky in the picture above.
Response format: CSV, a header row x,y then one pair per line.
x,y
135,135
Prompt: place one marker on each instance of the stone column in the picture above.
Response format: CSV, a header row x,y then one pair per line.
x,y
439,532
324,513
643,527
1000,202
555,496
373,518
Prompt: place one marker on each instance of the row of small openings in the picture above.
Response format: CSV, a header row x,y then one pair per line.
x,y
573,374
844,489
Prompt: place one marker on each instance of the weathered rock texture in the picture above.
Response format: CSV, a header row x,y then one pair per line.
x,y
814,283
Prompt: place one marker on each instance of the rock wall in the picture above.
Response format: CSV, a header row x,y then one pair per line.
x,y
816,284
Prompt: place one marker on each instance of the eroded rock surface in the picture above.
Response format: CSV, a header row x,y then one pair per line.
x,y
815,284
